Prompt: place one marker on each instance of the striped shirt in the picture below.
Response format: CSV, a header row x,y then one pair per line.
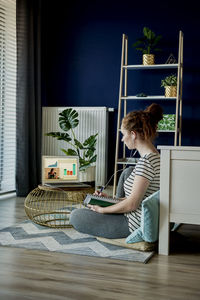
x,y
148,167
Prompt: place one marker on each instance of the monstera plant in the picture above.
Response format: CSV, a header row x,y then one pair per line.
x,y
68,120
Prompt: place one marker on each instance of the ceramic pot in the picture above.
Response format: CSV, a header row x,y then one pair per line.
x,y
170,91
88,175
148,59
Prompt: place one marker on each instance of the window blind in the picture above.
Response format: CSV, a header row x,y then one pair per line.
x,y
7,95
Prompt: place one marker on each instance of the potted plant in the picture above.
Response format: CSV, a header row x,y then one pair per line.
x,y
147,44
170,85
68,120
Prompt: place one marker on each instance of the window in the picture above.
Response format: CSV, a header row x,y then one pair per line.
x,y
7,95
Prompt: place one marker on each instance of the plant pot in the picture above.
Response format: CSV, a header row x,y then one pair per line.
x,y
170,91
148,59
88,175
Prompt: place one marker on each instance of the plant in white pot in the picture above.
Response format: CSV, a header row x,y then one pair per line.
x,y
170,85
148,45
68,120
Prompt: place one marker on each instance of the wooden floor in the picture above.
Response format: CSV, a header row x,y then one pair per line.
x,y
27,274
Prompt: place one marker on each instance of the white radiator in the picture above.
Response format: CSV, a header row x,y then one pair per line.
x,y
91,121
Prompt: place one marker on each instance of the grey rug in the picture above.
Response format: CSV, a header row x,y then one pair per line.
x,y
33,236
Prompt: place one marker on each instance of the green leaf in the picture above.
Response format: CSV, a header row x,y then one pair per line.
x,y
78,144
148,42
83,163
157,39
150,35
86,163
140,49
93,159
81,160
68,119
60,136
157,49
137,43
170,80
91,141
145,31
90,152
84,166
70,152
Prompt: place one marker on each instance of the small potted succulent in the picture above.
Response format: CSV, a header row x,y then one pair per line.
x,y
68,120
170,85
147,44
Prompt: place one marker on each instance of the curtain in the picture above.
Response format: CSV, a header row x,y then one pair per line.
x,y
28,102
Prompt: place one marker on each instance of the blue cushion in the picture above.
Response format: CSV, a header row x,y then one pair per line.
x,y
148,230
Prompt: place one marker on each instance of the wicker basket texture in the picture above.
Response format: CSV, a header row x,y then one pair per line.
x,y
52,207
148,59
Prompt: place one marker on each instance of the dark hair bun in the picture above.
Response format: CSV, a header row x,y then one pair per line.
x,y
155,111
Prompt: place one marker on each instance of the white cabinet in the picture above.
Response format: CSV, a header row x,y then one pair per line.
x,y
179,190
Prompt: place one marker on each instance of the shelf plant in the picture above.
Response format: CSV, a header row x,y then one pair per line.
x,y
68,120
167,123
170,85
148,45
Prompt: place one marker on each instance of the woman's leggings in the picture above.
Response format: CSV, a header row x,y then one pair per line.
x,y
103,225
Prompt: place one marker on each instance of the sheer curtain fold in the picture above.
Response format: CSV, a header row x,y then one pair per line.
x,y
28,152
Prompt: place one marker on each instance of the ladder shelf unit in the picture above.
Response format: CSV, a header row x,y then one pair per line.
x,y
124,97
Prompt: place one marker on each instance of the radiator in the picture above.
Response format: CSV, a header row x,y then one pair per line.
x,y
91,121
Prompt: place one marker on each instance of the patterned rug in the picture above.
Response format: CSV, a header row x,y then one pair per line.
x,y
33,236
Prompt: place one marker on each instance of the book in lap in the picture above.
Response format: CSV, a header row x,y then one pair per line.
x,y
98,200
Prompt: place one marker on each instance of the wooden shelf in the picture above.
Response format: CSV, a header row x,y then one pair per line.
x,y
124,97
159,130
147,98
166,131
127,160
148,67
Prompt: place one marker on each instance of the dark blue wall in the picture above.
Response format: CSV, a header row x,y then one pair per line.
x,y
82,53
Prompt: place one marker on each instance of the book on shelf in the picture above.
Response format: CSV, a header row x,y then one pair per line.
x,y
99,200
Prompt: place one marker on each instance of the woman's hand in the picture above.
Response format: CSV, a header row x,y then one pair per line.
x,y
97,193
96,208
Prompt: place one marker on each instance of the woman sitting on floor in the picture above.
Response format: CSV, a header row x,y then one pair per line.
x,y
119,220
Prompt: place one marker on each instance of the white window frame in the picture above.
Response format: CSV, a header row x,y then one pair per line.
x,y
8,75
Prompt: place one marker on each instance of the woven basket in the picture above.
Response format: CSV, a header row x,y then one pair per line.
x,y
52,207
170,91
148,59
